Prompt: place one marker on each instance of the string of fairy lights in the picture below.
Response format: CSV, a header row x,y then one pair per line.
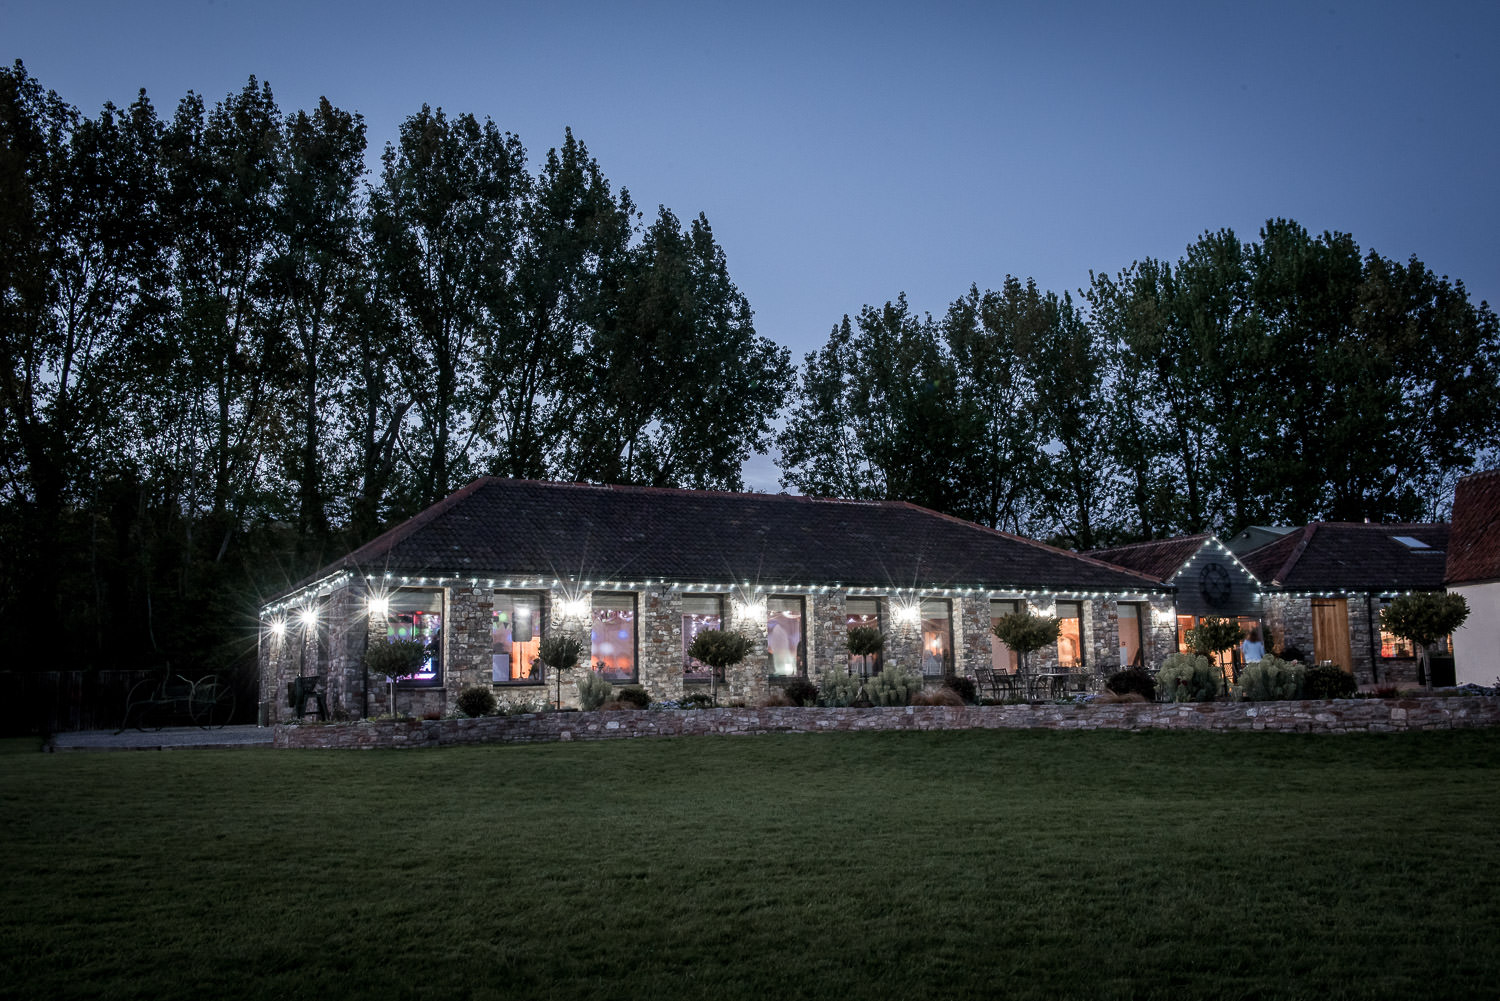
x,y
749,597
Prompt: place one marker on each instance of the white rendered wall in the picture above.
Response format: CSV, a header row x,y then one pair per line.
x,y
1476,644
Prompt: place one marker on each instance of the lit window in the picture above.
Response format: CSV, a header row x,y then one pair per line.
x,y
784,637
1003,659
937,639
612,638
418,615
1131,654
1184,623
863,613
1392,645
700,612
516,639
1069,634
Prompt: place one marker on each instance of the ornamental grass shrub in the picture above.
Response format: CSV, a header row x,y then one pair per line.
x,y
941,696
1328,681
476,701
801,691
1270,679
894,686
1135,680
1189,677
593,690
838,688
695,700
775,699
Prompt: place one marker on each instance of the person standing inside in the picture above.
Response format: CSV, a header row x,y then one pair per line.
x,y
1251,648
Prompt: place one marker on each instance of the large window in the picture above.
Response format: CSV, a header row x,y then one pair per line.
x,y
1392,645
1132,652
418,615
612,639
1069,635
863,613
1003,659
516,639
937,638
699,612
784,640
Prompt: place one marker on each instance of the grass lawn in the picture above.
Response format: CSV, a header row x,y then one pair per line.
x,y
902,865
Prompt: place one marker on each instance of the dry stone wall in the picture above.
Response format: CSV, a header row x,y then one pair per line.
x,y
1329,717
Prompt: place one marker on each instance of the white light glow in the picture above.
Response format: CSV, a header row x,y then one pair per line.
x,y
278,628
309,617
380,607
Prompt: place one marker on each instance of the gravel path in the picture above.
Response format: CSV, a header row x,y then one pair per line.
x,y
169,739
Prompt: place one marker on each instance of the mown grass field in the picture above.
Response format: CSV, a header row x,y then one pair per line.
x,y
936,865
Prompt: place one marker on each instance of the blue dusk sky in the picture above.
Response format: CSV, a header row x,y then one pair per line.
x,y
845,153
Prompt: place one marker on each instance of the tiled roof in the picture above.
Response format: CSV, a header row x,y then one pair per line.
x,y
515,528
1474,549
1357,556
1158,559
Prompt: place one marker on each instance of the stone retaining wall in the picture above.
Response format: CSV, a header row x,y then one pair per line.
x,y
1330,716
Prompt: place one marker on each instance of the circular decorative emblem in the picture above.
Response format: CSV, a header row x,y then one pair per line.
x,y
1213,584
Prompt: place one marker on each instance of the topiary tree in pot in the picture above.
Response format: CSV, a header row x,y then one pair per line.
x,y
1212,637
395,659
719,649
1026,633
560,653
1424,618
864,642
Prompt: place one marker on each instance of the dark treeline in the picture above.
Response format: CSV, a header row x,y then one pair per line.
x,y
1275,382
230,352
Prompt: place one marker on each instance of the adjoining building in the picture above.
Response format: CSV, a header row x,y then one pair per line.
x,y
1473,570
1325,584
1206,578
635,573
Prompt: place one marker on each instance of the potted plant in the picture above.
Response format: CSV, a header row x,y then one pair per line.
x,y
1026,633
1424,618
863,642
719,649
1212,637
396,659
561,654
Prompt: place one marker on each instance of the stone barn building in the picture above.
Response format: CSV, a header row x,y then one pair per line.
x,y
635,572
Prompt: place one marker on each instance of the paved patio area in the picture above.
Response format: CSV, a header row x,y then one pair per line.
x,y
172,738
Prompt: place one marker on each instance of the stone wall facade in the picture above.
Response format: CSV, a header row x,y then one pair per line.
x,y
345,630
1328,717
1289,623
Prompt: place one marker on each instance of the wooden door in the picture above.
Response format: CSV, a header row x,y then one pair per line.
x,y
1331,632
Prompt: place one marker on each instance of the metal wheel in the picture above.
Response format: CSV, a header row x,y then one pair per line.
x,y
141,710
211,705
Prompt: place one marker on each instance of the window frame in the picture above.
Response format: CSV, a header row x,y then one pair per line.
x,y
856,663
705,676
436,681
801,667
635,635
1381,634
1016,605
1083,657
946,666
1141,610
540,631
